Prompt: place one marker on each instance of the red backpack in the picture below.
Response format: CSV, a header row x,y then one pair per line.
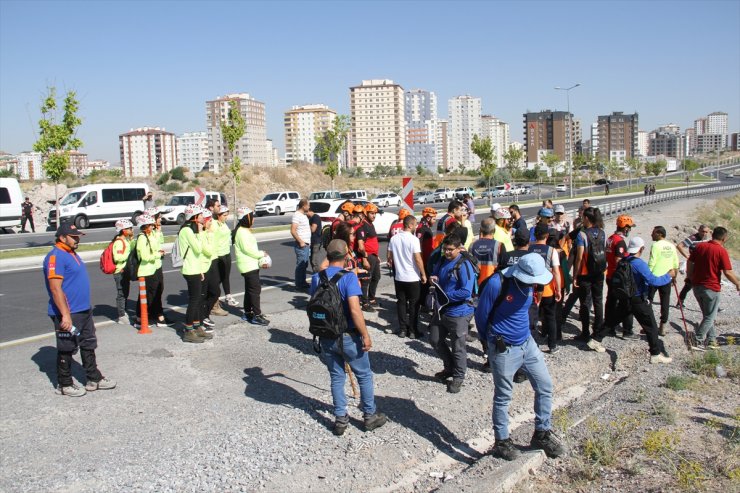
x,y
107,265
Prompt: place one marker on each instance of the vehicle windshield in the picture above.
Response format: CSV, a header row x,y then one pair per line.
x,y
382,195
72,198
182,200
271,196
319,207
440,190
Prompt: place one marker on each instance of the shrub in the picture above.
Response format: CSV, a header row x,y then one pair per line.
x,y
431,185
178,174
172,187
680,382
606,442
660,442
163,178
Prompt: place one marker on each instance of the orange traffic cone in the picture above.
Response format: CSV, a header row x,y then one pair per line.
x,y
144,308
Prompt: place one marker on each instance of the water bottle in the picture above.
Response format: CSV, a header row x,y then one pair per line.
x,y
74,331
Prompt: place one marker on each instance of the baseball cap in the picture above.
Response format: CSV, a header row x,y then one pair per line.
x,y
67,229
635,244
545,212
623,221
336,250
144,220
559,209
522,234
530,270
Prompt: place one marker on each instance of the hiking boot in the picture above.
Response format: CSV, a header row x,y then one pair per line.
x,y
203,334
208,322
340,425
595,345
388,330
373,302
630,336
259,320
505,449
71,390
520,376
230,300
443,375
547,441
455,385
191,335
413,335
375,421
661,329
218,311
367,307
660,358
403,334
102,384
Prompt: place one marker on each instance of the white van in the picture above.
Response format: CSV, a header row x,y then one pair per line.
x,y
354,195
11,199
178,202
100,203
324,195
277,203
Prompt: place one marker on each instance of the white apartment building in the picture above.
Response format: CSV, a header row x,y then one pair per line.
x,y
717,123
303,126
251,148
464,115
29,167
147,151
442,152
421,129
378,124
498,132
642,143
594,139
192,151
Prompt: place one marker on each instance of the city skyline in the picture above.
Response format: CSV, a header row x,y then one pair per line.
x,y
162,74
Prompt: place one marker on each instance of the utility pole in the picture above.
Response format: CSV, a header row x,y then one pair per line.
x,y
570,133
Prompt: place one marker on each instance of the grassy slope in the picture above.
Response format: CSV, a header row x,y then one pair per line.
x,y
724,212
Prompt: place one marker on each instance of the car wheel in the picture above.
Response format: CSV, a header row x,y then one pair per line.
x,y
180,219
386,203
278,212
82,222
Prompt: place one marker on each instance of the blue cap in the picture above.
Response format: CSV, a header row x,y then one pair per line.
x,y
545,212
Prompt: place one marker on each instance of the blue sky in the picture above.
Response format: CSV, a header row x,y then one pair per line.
x,y
141,63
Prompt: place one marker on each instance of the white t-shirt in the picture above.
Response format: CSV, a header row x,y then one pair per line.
x,y
303,230
403,246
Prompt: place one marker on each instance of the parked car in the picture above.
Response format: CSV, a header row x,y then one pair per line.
x,y
443,195
100,203
386,199
277,203
354,195
325,194
329,210
11,199
516,189
461,191
179,202
603,181
424,197
561,188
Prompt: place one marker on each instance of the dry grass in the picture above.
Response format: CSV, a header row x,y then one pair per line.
x,y
723,212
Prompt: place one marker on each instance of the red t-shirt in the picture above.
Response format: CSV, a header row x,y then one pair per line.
x,y
366,232
616,250
710,259
396,227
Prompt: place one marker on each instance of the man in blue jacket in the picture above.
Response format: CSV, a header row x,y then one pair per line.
x,y
502,316
638,305
455,277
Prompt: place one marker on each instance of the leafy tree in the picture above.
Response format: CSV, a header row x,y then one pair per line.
x,y
178,174
232,130
657,167
420,170
483,148
8,173
399,170
513,158
551,159
163,178
57,138
440,170
689,165
329,146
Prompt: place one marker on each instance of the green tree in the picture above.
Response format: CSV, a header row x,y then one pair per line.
x,y
483,148
440,170
633,165
657,167
551,159
178,174
232,130
329,146
513,159
689,165
8,173
420,170
57,137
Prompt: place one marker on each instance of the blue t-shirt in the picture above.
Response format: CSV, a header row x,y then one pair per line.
x,y
458,288
64,264
348,286
644,278
511,319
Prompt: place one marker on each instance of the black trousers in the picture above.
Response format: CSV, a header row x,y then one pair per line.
x,y
252,291
67,345
591,292
193,314
549,323
210,290
610,306
665,300
567,306
374,276
686,289
643,313
154,290
224,271
407,305
30,220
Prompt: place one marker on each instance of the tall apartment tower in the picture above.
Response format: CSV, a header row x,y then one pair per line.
x,y
421,129
464,115
548,132
710,132
643,143
28,166
303,125
192,151
443,148
498,132
147,151
666,141
378,124
251,148
618,136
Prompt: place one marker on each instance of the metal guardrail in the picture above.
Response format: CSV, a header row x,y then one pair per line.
x,y
621,206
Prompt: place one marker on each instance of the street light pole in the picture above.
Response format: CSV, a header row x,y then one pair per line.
x,y
570,134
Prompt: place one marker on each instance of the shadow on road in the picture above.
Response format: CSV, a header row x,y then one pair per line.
x,y
46,359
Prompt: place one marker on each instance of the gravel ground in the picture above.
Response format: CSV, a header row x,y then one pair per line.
x,y
251,410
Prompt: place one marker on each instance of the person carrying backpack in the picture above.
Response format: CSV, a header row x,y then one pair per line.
x,y
121,252
248,262
631,284
616,250
346,340
588,271
547,295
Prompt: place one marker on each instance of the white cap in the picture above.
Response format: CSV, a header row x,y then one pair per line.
x,y
122,224
495,206
223,210
635,244
501,213
242,211
559,208
144,220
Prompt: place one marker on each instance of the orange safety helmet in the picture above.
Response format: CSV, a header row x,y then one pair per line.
x,y
403,214
371,208
358,209
624,221
347,207
429,211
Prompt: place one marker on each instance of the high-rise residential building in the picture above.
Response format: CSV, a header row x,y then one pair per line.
x,y
734,139
618,136
690,141
29,166
643,143
498,132
251,148
147,151
666,141
710,143
717,123
548,132
710,133
443,148
378,124
192,151
303,125
78,163
421,129
594,147
464,117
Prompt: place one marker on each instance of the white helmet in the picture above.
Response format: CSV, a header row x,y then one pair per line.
x,y
152,211
206,214
192,210
223,210
242,211
122,224
144,220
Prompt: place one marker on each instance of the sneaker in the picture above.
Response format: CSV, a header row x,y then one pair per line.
x,y
661,329
367,307
218,311
71,390
520,376
102,384
191,335
595,345
247,317
123,321
413,335
505,449
547,441
388,330
698,347
402,334
202,333
375,421
712,345
340,425
660,358
553,350
629,336
259,320
208,322
373,302
443,375
230,300
165,323
455,385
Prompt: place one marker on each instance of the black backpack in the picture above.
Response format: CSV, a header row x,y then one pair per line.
x,y
623,281
325,309
596,262
131,269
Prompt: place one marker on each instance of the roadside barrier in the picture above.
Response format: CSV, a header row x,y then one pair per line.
x,y
144,308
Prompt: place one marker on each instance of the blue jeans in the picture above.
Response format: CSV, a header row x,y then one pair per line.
x,y
709,303
529,358
301,264
359,362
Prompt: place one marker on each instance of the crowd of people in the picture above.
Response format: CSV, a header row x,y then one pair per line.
x,y
516,284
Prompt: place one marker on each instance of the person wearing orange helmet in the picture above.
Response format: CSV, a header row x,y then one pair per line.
x,y
367,247
397,225
616,250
